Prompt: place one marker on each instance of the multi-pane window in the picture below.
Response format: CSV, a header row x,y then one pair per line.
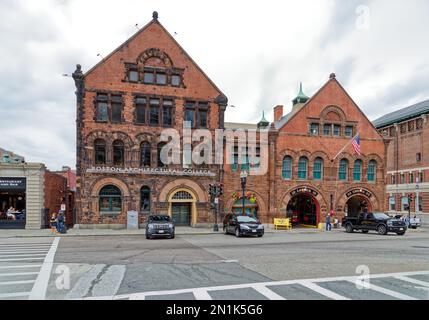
x,y
141,107
348,131
421,177
176,80
118,153
392,204
110,199
160,162
393,179
133,76
234,164
327,129
159,77
318,169
411,178
167,113
245,165
302,168
342,172
314,129
154,112
287,168
102,108
100,151
402,181
145,199
357,170
145,154
109,108
337,130
372,169
197,114
149,77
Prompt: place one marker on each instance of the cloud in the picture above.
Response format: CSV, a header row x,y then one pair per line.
x,y
257,52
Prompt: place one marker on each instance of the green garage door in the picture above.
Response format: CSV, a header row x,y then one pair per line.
x,y
182,214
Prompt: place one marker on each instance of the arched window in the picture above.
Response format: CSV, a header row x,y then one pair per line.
x,y
100,151
110,199
287,168
118,153
145,155
145,202
160,162
302,168
357,171
318,169
372,170
344,168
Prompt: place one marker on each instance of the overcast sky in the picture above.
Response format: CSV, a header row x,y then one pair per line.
x,y
257,52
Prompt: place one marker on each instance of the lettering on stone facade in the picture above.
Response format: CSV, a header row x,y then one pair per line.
x,y
153,171
354,192
313,192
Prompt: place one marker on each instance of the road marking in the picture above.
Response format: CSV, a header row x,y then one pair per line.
x,y
325,292
24,255
21,259
200,294
26,251
18,274
268,293
414,281
21,266
83,285
39,289
388,292
110,281
311,283
14,295
8,283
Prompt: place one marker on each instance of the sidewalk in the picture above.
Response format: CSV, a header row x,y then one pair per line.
x,y
140,232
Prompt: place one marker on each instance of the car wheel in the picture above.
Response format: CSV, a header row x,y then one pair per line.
x,y
349,228
365,231
413,227
260,235
382,230
147,237
401,233
173,236
237,233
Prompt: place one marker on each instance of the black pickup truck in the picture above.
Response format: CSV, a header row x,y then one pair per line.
x,y
377,221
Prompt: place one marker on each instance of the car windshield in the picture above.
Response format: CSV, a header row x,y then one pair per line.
x,y
160,219
246,219
380,215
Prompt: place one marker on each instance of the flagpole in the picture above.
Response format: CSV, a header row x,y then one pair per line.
x,y
345,147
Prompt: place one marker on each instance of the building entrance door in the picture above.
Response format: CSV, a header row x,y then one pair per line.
x,y
182,214
303,210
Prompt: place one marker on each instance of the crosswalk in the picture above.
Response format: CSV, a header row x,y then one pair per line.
x,y
25,267
394,286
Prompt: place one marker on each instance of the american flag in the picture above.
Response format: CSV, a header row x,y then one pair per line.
x,y
356,144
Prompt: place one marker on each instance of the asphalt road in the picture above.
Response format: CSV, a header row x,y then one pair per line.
x,y
305,265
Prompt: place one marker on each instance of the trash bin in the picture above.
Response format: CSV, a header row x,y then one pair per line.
x,y
133,220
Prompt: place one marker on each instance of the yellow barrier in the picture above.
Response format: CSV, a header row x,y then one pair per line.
x,y
282,223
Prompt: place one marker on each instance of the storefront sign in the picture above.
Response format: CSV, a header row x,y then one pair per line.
x,y
304,190
13,184
153,171
354,192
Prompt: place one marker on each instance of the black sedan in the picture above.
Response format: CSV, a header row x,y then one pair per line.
x,y
243,226
160,226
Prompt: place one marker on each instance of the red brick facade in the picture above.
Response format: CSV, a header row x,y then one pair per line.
x,y
125,77
407,164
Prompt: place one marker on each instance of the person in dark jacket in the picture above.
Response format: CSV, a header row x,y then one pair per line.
x,y
328,223
61,223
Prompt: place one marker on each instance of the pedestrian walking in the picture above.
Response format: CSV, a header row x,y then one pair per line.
x,y
53,223
61,225
328,223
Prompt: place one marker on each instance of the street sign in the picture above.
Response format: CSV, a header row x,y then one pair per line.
x,y
216,201
63,207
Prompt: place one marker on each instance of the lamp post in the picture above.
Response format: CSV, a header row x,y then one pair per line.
x,y
243,177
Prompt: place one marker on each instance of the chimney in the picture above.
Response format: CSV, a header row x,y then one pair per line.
x,y
278,113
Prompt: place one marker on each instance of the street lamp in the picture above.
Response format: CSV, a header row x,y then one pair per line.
x,y
243,177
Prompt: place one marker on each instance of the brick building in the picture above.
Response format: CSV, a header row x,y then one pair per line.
x,y
407,134
313,167
147,85
150,84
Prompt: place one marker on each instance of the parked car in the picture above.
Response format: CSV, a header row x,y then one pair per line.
x,y
160,226
243,226
377,221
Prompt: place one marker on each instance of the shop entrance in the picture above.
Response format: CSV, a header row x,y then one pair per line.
x,y
12,209
356,205
303,209
182,214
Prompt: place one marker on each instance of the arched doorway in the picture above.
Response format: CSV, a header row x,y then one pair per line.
x,y
303,209
183,207
356,205
250,207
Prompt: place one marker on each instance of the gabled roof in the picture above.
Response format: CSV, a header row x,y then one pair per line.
x,y
155,21
402,114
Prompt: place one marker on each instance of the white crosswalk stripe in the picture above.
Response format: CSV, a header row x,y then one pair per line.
x,y
315,286
21,264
